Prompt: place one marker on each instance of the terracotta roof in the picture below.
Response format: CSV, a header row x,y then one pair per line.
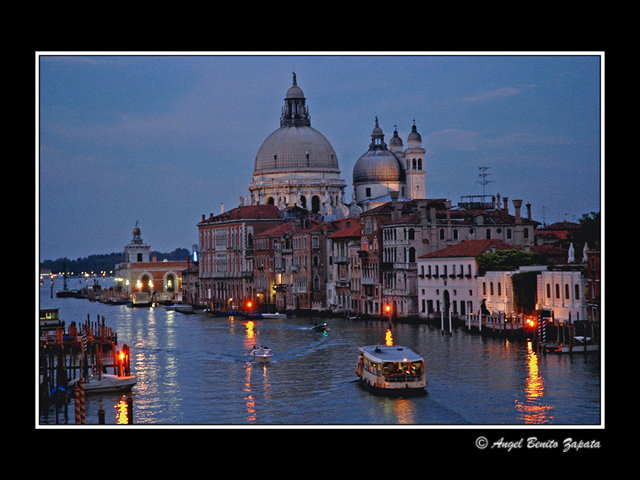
x,y
353,231
470,248
250,212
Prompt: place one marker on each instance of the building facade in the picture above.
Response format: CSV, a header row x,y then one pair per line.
x,y
139,273
563,291
226,254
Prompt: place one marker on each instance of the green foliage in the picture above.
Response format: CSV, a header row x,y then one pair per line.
x,y
507,260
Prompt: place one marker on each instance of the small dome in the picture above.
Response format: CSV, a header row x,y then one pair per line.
x,y
377,166
136,232
395,140
414,136
295,92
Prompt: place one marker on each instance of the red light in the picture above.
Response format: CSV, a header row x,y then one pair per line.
x,y
249,304
388,308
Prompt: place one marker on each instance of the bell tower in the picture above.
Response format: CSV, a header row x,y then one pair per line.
x,y
137,251
415,163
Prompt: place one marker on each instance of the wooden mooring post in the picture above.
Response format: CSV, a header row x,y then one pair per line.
x,y
75,354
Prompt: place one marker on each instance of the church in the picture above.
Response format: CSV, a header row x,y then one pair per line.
x,y
297,166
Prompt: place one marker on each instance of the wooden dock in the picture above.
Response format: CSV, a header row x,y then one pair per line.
x,y
78,352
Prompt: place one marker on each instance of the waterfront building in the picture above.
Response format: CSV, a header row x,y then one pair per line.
x,y
139,273
226,254
344,276
563,291
447,278
593,283
296,165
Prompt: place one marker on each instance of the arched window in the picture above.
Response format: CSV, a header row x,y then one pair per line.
x,y
566,291
412,234
557,290
577,291
315,204
548,290
442,234
412,255
488,234
316,282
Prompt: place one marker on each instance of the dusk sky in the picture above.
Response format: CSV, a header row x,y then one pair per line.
x,y
164,139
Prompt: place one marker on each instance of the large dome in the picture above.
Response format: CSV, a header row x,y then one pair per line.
x,y
296,147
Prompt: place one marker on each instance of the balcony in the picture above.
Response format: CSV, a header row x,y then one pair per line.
x,y
341,259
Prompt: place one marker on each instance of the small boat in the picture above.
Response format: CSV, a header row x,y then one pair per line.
x,y
320,327
140,299
391,370
262,353
579,346
274,315
184,308
105,383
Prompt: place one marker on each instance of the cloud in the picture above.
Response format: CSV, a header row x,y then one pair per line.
x,y
466,140
493,95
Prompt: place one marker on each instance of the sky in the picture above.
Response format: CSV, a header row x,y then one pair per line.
x,y
163,139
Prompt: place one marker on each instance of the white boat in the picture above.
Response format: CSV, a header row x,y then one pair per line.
x,y
106,383
274,315
579,346
262,353
391,370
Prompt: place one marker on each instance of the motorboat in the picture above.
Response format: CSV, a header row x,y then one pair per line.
x,y
274,315
104,383
262,353
320,327
580,345
391,370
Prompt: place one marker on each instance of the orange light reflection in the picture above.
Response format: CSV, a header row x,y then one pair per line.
x,y
388,338
532,410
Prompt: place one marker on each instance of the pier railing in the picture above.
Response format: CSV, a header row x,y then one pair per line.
x,y
499,322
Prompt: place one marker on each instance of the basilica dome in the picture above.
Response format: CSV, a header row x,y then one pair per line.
x,y
295,146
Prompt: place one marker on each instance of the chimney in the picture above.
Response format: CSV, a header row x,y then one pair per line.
x,y
528,210
395,206
203,217
518,205
506,204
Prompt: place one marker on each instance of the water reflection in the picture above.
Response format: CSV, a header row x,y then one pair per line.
x,y
532,411
122,414
388,338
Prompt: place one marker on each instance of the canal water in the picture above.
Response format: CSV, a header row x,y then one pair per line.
x,y
196,370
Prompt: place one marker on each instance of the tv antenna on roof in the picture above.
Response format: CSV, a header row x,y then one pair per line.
x,y
483,175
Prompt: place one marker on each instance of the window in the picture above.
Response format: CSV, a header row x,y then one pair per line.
x,y
566,291
557,290
412,234
314,242
139,257
368,191
577,291
442,234
548,290
499,289
488,234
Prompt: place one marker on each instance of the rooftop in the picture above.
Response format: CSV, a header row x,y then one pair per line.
x,y
395,353
470,248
